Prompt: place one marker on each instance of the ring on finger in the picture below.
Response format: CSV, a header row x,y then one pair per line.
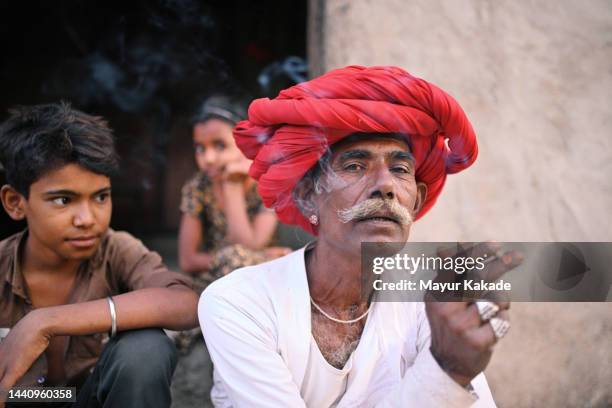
x,y
500,327
486,309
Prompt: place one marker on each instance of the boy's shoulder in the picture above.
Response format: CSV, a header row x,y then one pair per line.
x,y
121,244
9,243
126,260
119,237
8,249
113,242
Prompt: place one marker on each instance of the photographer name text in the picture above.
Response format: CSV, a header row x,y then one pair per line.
x,y
423,285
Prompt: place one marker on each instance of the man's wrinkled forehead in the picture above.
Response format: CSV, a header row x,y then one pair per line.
x,y
356,146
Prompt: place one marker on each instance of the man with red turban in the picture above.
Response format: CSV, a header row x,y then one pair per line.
x,y
352,156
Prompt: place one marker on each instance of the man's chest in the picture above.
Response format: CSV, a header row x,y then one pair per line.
x,y
371,362
336,341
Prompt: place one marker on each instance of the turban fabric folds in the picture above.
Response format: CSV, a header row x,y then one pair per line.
x,y
287,135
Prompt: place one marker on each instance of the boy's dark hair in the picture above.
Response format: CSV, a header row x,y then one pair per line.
x,y
37,139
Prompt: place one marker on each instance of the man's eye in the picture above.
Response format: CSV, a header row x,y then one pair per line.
x,y
101,198
60,200
401,169
199,149
354,167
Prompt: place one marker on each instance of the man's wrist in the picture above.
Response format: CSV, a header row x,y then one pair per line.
x,y
460,379
432,386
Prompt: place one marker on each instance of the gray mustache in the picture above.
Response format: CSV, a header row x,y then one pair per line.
x,y
371,206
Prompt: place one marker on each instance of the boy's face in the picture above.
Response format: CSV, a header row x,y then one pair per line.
x,y
68,211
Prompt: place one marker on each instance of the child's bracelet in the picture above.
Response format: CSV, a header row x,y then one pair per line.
x,y
113,313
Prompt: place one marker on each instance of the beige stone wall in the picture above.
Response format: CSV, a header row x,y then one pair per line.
x,y
535,78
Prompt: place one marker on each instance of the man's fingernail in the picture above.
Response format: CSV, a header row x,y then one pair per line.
x,y
518,256
506,259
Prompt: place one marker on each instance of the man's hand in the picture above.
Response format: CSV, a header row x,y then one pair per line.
x,y
26,341
461,342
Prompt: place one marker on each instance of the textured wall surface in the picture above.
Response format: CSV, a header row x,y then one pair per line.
x,y
535,78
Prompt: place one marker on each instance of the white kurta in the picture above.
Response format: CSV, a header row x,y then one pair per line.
x,y
257,326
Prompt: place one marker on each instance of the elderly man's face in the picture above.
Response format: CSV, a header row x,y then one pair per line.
x,y
366,173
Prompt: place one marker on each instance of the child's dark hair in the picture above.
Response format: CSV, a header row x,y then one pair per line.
x,y
37,139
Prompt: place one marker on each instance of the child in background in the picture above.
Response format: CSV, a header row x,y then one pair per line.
x,y
224,225
68,279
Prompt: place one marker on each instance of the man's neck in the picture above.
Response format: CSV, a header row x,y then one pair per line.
x,y
334,278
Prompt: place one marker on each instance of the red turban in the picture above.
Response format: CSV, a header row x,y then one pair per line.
x,y
287,135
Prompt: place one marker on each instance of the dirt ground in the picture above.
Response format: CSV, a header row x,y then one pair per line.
x,y
193,379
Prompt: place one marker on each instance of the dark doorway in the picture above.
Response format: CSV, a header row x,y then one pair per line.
x,y
144,66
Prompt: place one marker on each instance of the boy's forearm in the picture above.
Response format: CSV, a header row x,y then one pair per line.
x,y
169,308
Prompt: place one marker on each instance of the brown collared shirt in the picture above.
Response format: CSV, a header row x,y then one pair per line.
x,y
120,264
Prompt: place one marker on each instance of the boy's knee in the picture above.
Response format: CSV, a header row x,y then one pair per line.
x,y
142,354
136,370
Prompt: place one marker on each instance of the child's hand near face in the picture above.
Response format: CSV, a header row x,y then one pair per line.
x,y
237,171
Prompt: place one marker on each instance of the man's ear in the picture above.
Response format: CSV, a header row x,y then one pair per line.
x,y
421,196
302,194
13,202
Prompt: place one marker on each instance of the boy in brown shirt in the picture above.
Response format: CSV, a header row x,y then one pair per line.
x,y
68,280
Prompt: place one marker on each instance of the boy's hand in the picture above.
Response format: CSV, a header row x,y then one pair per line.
x,y
26,341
